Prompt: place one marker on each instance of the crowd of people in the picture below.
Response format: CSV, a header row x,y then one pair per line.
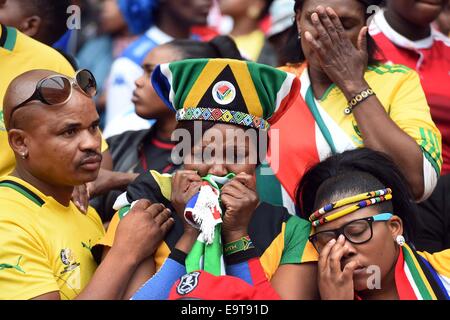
x,y
225,149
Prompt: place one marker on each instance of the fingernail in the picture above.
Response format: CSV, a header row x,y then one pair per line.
x,y
315,17
332,241
341,237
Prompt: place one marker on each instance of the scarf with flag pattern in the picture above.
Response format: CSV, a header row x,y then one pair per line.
x,y
417,279
204,212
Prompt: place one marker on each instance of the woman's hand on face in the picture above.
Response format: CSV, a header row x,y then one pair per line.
x,y
344,63
185,184
335,283
240,199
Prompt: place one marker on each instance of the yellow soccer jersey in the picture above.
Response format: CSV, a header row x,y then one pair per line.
x,y
18,54
45,246
399,90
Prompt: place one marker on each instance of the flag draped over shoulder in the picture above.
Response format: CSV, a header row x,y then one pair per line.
x,y
417,278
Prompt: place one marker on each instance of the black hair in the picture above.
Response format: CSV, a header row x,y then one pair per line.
x,y
218,47
53,14
299,56
265,10
354,172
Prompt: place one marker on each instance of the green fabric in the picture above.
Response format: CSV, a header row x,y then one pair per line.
x,y
10,42
386,68
268,186
296,237
430,146
416,276
327,92
267,98
184,76
310,102
123,211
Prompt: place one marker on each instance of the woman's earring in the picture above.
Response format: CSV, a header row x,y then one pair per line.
x,y
24,155
400,240
299,37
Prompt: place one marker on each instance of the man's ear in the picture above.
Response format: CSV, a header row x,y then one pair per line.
x,y
18,141
31,25
395,225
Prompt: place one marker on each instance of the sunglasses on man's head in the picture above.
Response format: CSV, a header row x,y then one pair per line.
x,y
57,89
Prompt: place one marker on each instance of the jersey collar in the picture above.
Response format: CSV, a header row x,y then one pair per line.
x,y
400,40
8,36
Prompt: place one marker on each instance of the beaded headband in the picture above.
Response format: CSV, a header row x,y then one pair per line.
x,y
360,201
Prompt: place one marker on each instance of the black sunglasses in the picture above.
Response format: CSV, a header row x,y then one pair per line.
x,y
57,89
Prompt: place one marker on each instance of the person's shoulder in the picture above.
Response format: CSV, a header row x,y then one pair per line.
x,y
389,73
294,68
151,185
386,69
126,137
138,49
16,209
17,200
43,56
268,221
441,41
276,216
440,261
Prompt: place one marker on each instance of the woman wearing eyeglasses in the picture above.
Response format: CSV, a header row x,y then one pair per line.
x,y
364,218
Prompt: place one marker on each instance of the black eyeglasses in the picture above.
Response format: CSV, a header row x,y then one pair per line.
x,y
357,231
57,89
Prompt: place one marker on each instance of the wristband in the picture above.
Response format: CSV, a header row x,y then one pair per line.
x,y
363,95
241,256
178,256
241,244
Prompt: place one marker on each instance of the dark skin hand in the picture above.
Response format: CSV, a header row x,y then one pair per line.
x,y
345,64
334,282
240,199
185,184
106,180
145,226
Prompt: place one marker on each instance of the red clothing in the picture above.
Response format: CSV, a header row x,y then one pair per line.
x,y
205,286
430,57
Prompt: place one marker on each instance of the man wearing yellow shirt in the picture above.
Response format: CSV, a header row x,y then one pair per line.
x,y
45,240
20,53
